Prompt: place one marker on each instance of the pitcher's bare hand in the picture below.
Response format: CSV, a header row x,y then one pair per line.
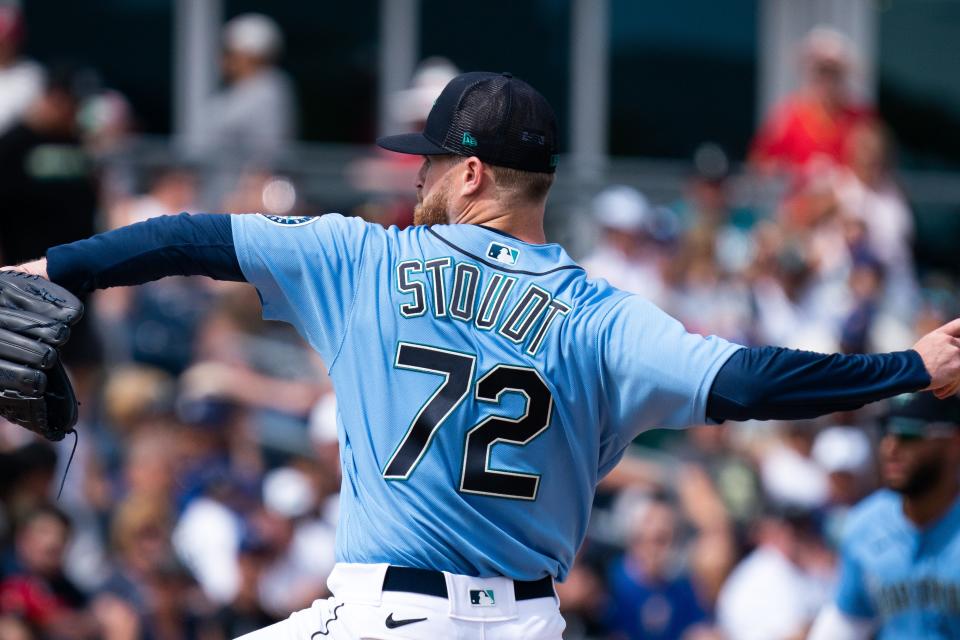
x,y
940,351
35,267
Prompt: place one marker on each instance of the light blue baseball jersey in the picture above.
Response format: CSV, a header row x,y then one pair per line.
x,y
483,384
904,578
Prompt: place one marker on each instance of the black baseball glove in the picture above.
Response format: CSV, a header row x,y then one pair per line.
x,y
35,319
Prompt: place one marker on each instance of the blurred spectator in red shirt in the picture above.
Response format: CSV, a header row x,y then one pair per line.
x,y
808,131
21,80
35,588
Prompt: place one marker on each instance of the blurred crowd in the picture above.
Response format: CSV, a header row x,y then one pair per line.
x,y
202,499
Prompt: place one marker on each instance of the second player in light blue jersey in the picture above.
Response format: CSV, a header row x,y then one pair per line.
x,y
900,556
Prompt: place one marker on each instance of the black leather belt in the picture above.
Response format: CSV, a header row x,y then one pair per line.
x,y
432,583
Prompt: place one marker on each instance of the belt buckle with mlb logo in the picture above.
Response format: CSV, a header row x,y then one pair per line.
x,y
482,598
502,253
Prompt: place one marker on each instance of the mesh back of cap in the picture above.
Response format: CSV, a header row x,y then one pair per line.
x,y
504,122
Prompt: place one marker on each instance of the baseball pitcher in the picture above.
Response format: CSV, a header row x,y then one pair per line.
x,y
484,384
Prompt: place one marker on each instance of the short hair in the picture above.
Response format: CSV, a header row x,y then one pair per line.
x,y
525,186
43,510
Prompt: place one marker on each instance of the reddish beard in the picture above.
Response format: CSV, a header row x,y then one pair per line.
x,y
433,209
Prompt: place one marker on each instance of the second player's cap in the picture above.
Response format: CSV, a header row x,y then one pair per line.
x,y
498,118
920,415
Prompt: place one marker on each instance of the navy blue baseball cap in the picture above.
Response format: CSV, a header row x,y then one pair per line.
x,y
922,415
498,118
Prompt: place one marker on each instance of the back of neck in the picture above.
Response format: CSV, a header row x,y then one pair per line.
x,y
523,223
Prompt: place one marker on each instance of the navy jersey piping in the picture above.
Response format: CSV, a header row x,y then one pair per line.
x,y
498,267
503,233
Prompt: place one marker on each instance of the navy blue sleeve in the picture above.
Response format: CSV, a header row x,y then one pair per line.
x,y
183,245
773,383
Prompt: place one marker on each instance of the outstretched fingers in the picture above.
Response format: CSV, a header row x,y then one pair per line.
x,y
952,328
947,390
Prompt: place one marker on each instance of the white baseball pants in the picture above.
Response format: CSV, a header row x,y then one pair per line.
x,y
475,609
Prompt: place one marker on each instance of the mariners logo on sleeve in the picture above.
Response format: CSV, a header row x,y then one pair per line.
x,y
290,221
502,253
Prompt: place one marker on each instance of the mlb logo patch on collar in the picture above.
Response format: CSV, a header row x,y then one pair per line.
x,y
482,598
502,253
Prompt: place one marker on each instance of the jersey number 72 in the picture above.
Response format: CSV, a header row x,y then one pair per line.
x,y
457,369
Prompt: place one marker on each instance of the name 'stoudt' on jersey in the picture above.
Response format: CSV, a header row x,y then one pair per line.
x,y
530,315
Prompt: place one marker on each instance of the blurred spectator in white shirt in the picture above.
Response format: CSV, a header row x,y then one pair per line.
x,y
208,538
705,299
867,192
21,80
627,256
303,543
777,590
845,454
790,476
780,280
